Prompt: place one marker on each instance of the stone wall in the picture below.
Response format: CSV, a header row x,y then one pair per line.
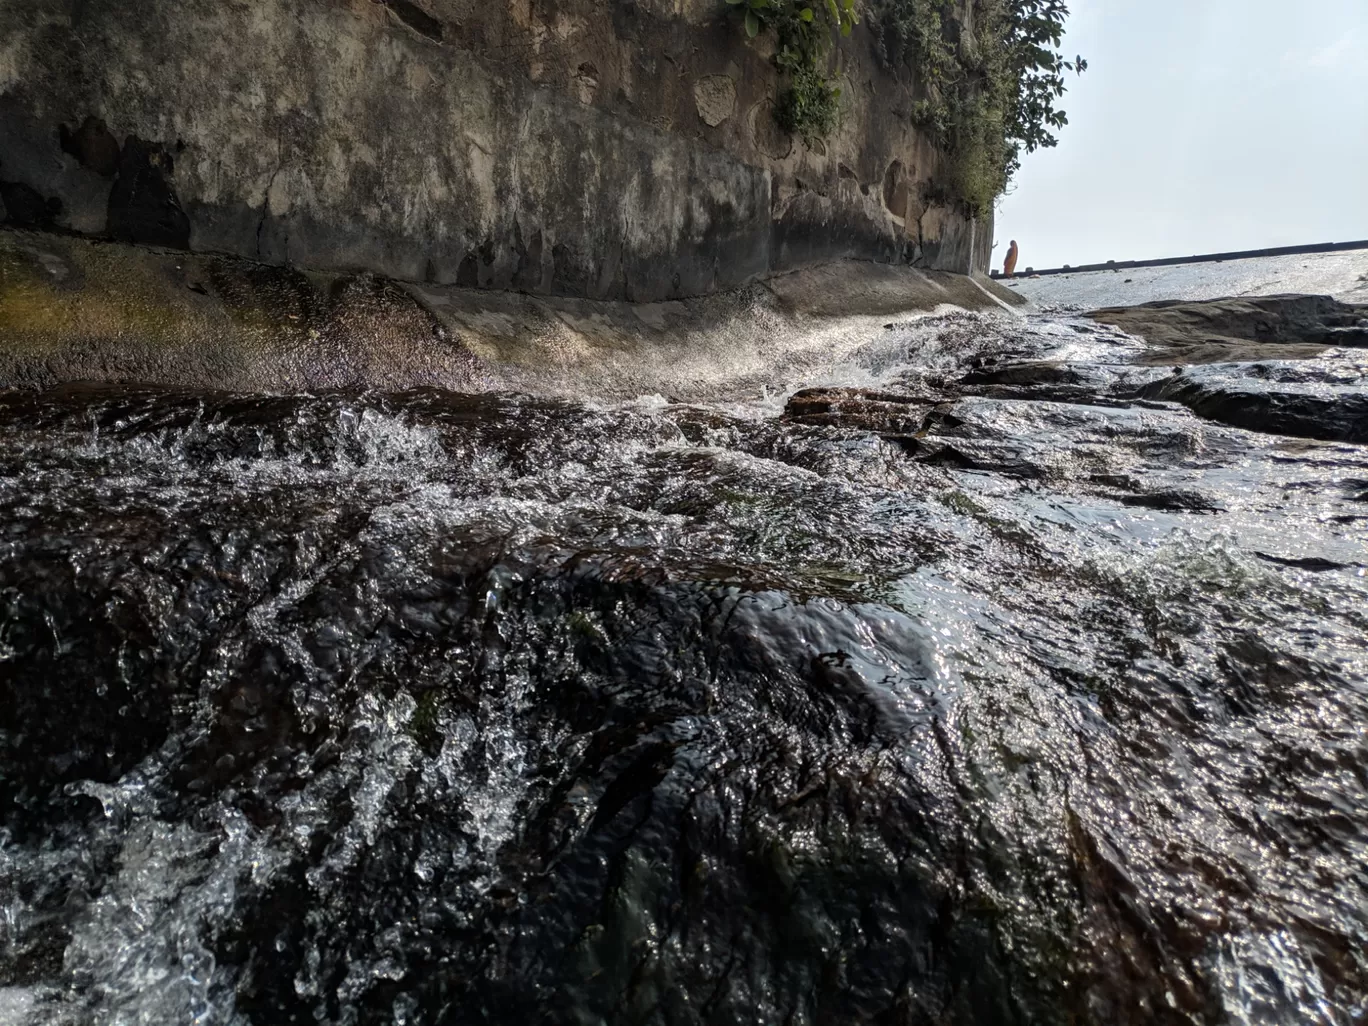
x,y
621,149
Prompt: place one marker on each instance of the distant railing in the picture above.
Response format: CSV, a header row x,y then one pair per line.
x,y
1206,258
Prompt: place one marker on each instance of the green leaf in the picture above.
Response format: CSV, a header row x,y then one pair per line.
x,y
834,11
846,27
752,24
806,14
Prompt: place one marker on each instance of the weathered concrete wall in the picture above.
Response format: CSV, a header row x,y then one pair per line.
x,y
623,149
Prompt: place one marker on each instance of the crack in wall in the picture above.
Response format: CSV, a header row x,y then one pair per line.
x,y
266,197
416,18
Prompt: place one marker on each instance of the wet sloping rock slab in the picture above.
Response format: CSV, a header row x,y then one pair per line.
x,y
1261,363
1253,328
1284,365
995,692
77,310
1130,452
1158,438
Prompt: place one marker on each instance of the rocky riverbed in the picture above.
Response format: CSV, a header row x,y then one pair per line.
x,y
977,668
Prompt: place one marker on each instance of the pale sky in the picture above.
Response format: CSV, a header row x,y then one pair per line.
x,y
1200,126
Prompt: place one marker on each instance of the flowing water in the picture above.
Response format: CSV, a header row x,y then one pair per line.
x,y
1343,274
434,708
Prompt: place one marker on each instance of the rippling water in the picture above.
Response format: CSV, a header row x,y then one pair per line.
x,y
434,708
1344,275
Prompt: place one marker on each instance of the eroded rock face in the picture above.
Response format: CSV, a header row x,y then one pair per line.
x,y
432,140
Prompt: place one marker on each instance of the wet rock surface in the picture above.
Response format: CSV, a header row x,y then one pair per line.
x,y
73,310
1199,354
1246,328
982,686
76,310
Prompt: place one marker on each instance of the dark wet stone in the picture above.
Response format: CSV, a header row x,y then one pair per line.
x,y
93,145
1174,500
1248,328
143,207
26,207
1243,401
1047,381
1038,373
858,409
1312,563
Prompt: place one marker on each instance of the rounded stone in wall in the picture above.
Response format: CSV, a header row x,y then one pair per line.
x,y
715,97
769,138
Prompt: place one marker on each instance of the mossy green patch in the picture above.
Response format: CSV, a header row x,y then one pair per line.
x,y
59,293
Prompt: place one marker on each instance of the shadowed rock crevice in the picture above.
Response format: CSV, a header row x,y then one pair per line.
x,y
26,207
416,18
143,208
93,145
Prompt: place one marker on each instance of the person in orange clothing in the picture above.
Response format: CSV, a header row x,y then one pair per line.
x,y
1009,264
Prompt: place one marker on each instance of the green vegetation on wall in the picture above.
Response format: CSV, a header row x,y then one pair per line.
x,y
988,73
810,105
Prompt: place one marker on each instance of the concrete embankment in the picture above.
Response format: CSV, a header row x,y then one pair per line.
x,y
1201,258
